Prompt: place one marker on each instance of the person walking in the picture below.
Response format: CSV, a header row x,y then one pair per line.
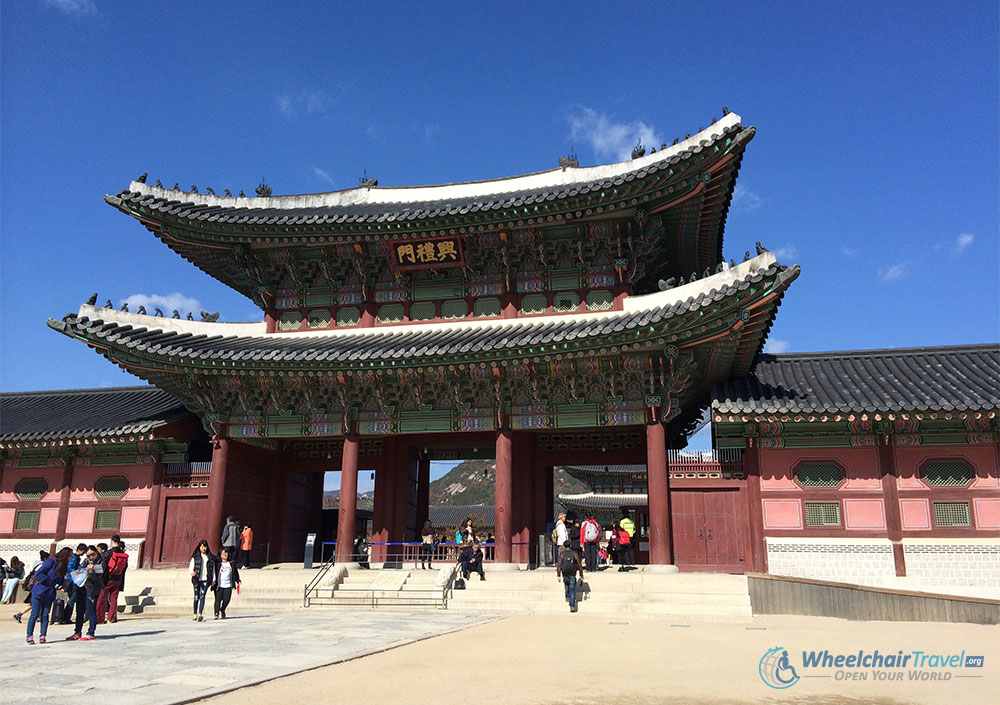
x,y
230,536
227,577
73,593
47,577
573,526
246,545
26,586
114,582
590,535
87,595
626,530
560,535
203,569
14,575
568,566
427,540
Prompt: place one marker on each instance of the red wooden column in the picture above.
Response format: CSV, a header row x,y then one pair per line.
x,y
276,517
502,533
216,494
149,546
65,488
383,511
423,491
890,500
348,499
757,549
659,499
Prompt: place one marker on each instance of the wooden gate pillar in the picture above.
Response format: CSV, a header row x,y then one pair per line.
x,y
423,491
217,493
348,500
659,499
755,513
65,488
150,545
890,500
502,533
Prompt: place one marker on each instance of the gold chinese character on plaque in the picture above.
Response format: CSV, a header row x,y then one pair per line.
x,y
425,252
446,251
405,253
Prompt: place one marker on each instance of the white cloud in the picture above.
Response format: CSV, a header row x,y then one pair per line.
x,y
896,271
775,346
167,303
962,242
305,102
74,7
788,252
610,139
325,176
745,199
849,252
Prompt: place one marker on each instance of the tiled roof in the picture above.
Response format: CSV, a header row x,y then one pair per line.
x,y
379,205
598,469
85,413
949,378
592,500
444,517
403,342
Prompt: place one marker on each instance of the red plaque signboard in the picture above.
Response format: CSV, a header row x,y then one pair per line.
x,y
431,253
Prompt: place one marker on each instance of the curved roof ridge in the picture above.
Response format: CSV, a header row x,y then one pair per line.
x,y
874,352
85,390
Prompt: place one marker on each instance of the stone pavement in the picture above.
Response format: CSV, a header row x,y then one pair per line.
x,y
176,660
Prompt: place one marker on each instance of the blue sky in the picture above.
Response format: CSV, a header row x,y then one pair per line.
x,y
875,165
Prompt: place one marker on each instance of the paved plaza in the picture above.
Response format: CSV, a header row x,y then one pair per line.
x,y
173,660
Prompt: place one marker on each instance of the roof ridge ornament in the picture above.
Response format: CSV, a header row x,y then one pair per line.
x,y
366,181
638,150
262,190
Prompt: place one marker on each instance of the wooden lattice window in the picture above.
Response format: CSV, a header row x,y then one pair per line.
x,y
391,313
946,473
534,303
106,520
290,320
319,318
565,302
111,487
455,308
819,475
952,514
348,316
822,513
422,311
600,300
31,488
489,306
26,521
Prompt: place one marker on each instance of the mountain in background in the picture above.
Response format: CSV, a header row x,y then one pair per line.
x,y
331,500
474,482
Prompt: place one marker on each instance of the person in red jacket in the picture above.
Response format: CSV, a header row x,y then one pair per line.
x,y
114,581
590,539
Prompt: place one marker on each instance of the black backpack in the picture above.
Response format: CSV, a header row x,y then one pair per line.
x,y
567,563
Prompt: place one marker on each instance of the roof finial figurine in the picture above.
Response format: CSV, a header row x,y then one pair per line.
x,y
92,300
569,161
177,186
367,181
263,190
721,267
746,256
694,275
687,136
227,193
108,304
707,273
713,120
761,249
209,317
158,312
125,307
175,314
732,263
159,183
667,284
681,282
242,195
638,150
676,140
190,317
142,179
141,311
725,111
210,190
194,189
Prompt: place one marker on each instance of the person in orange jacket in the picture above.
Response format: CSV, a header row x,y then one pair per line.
x,y
246,543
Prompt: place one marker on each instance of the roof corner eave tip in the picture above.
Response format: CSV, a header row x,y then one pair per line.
x,y
60,326
115,201
789,275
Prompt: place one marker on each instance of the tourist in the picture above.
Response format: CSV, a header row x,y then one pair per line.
x,y
230,536
560,535
612,533
87,595
472,561
47,577
427,540
227,577
13,574
203,569
246,545
361,552
626,530
113,577
26,585
468,533
590,535
573,527
568,566
72,597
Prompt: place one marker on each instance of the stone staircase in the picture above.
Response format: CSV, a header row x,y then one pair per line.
x,y
682,596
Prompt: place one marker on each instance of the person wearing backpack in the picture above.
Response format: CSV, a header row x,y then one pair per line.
x,y
559,536
88,594
626,529
114,582
568,566
590,536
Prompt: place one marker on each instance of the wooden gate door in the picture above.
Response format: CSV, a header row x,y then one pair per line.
x,y
708,530
183,525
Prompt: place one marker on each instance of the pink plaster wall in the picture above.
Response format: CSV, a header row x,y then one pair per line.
x,y
864,514
987,513
982,458
134,518
860,465
782,514
915,513
140,480
7,520
53,476
80,520
47,520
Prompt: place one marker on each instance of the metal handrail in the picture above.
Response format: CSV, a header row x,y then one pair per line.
x,y
311,585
